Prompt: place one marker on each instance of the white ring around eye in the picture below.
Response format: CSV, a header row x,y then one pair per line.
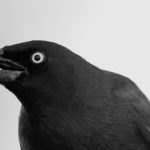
x,y
37,57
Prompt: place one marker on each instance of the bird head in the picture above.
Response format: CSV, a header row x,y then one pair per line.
x,y
38,72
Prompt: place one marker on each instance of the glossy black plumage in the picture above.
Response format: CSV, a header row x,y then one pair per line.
x,y
69,104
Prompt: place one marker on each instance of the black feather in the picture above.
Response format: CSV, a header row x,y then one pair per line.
x,y
69,104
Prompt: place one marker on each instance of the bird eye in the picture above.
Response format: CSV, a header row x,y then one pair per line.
x,y
38,57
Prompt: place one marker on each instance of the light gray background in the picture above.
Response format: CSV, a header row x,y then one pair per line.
x,y
112,34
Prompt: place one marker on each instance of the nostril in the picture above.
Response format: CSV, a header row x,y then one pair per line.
x,y
1,51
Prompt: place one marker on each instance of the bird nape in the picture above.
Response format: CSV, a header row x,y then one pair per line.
x,y
69,104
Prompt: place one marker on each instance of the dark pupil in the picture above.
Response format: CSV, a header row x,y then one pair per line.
x,y
37,57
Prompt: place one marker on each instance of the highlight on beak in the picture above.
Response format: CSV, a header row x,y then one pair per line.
x,y
9,70
1,51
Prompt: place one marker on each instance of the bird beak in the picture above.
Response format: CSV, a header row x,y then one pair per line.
x,y
9,70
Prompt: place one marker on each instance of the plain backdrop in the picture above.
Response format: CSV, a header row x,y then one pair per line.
x,y
112,34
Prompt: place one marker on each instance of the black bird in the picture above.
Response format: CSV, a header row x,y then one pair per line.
x,y
69,104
